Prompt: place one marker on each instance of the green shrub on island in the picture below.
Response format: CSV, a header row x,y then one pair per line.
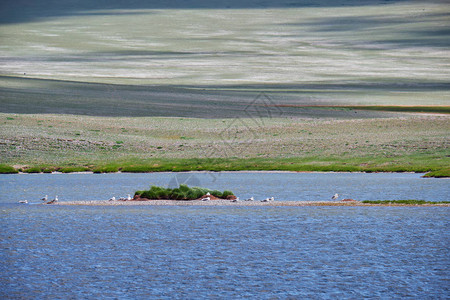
x,y
227,193
408,202
183,192
216,193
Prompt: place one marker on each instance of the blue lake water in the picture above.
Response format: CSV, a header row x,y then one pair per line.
x,y
283,186
66,252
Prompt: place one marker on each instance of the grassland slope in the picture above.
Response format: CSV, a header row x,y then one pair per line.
x,y
411,143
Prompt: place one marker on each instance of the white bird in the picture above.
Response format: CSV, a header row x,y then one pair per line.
x,y
235,200
23,201
206,199
265,200
45,198
208,194
271,199
53,201
335,196
250,199
128,197
112,198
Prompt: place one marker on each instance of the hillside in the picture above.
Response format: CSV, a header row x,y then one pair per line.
x,y
123,59
181,85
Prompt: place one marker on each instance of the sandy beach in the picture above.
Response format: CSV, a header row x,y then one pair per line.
x,y
230,203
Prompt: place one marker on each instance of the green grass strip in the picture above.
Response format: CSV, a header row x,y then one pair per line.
x,y
393,108
418,164
420,109
407,202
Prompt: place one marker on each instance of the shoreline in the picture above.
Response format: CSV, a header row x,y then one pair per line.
x,y
423,174
225,171
237,204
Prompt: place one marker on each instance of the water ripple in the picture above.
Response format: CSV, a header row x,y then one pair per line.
x,y
224,252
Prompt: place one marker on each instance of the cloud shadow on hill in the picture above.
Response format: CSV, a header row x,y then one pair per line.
x,y
30,96
18,11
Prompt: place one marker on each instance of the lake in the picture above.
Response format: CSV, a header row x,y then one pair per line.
x,y
166,252
286,186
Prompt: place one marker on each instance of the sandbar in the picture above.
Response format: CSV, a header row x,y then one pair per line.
x,y
230,203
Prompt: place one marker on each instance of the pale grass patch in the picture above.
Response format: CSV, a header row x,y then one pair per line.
x,y
55,138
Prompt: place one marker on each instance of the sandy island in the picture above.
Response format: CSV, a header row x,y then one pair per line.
x,y
230,203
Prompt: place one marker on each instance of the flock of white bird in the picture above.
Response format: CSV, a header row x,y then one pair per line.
x,y
128,198
44,200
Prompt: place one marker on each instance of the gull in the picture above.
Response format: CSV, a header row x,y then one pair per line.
x,y
128,197
235,200
250,199
335,196
23,201
208,194
206,199
112,198
268,199
53,201
45,198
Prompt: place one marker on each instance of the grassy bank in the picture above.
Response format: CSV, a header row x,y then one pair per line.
x,y
404,202
313,164
5,169
67,143
443,173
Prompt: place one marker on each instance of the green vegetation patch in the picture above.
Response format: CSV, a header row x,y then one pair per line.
x,y
444,173
106,169
33,170
74,169
183,192
5,169
419,109
406,202
441,109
